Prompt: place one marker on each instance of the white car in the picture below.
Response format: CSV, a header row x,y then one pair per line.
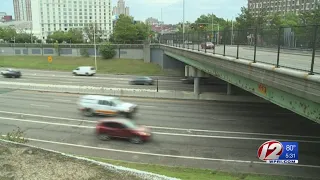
x,y
91,105
84,70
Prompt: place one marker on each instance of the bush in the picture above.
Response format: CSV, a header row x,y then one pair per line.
x,y
107,51
16,136
84,52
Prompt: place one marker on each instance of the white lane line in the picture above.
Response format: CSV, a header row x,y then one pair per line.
x,y
166,128
162,133
62,100
167,155
148,106
39,105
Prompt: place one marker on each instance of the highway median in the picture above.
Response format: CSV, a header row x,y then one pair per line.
x,y
144,93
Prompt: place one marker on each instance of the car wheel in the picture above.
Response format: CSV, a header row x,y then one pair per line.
x,y
75,74
103,137
136,140
87,74
88,112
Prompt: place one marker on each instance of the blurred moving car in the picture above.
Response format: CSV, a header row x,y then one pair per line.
x,y
190,80
11,73
84,70
142,81
91,105
122,128
207,45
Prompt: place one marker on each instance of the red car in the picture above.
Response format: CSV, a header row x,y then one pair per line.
x,y
207,45
122,128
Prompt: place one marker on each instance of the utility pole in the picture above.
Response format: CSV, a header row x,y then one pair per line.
x,y
95,46
212,27
161,26
183,30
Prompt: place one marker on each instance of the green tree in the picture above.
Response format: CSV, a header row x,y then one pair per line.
x,y
74,36
24,38
93,30
57,36
143,31
8,34
107,50
125,30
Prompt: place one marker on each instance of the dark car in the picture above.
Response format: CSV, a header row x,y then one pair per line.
x,y
207,45
122,128
142,81
190,80
11,73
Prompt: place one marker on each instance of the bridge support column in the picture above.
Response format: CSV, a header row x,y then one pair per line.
x,y
196,86
230,90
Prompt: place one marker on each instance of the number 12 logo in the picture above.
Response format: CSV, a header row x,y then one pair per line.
x,y
270,150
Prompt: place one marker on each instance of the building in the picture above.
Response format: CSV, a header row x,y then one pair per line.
x,y
120,8
49,16
6,18
282,6
19,26
22,10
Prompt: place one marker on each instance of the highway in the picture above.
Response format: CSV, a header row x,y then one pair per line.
x,y
202,134
294,60
111,81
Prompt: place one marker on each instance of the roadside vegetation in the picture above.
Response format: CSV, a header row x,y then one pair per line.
x,y
192,173
111,66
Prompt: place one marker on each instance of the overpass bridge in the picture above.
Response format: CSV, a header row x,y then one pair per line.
x,y
296,88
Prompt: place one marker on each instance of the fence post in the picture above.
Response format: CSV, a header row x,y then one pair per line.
x,y
198,41
255,44
224,42
279,46
205,42
188,40
314,48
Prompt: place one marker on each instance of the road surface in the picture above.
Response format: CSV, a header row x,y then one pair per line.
x,y
111,81
294,60
202,134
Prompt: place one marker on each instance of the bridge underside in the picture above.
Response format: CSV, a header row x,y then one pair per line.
x,y
299,105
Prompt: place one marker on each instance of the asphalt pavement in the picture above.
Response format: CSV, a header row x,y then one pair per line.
x,y
290,60
110,81
202,134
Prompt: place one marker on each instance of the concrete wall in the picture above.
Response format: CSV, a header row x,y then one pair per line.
x,y
157,56
120,53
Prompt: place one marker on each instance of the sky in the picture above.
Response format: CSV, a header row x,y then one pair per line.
x,y
172,10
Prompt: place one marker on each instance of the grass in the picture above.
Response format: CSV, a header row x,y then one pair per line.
x,y
112,66
190,173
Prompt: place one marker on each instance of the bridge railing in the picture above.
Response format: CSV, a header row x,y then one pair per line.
x,y
295,47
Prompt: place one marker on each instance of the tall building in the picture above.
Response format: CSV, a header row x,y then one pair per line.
x,y
282,6
121,8
22,10
53,15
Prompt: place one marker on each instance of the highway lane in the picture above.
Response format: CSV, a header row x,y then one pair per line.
x,y
189,130
111,81
295,61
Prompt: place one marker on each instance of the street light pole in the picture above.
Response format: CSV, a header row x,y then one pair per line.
x,y
95,46
161,27
212,27
183,30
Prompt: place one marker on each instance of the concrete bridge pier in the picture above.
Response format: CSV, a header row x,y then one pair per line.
x,y
230,89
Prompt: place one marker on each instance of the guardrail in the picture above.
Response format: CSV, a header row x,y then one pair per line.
x,y
272,45
144,93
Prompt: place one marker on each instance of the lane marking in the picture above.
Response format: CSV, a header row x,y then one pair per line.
x,y
161,133
39,105
63,100
167,155
166,128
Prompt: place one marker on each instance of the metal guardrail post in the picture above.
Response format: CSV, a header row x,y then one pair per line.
x,y
205,46
224,42
279,47
255,44
314,48
198,41
237,51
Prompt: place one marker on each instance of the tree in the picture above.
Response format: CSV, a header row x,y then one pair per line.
x,y
124,29
57,36
107,51
143,31
72,36
91,31
25,38
7,34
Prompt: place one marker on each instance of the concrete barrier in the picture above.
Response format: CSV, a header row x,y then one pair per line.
x,y
146,93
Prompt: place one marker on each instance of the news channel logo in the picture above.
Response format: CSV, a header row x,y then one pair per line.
x,y
275,152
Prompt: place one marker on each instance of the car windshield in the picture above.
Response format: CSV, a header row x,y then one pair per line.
x,y
130,124
117,101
